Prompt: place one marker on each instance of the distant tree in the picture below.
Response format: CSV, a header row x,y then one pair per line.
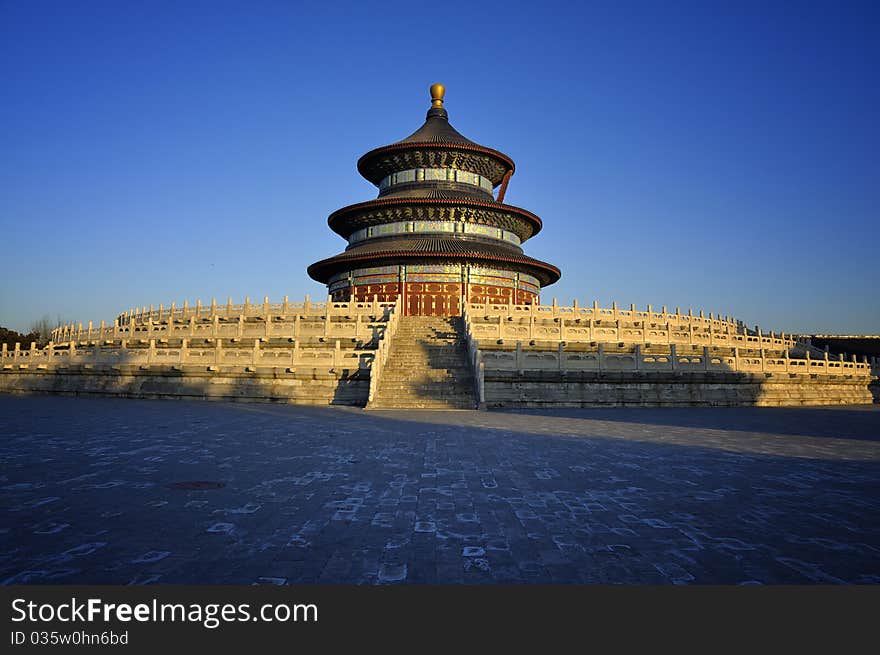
x,y
43,329
11,337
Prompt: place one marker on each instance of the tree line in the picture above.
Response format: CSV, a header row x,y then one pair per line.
x,y
39,331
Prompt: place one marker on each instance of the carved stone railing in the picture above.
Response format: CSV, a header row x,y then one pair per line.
x,y
590,330
182,318
495,342
610,357
613,313
218,352
475,357
381,353
342,320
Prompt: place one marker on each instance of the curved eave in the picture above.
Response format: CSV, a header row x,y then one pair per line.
x,y
336,219
321,271
363,164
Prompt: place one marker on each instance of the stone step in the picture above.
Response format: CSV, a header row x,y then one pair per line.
x,y
427,367
440,386
422,406
422,391
426,362
422,377
433,361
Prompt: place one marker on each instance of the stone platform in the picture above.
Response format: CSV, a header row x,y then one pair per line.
x,y
105,490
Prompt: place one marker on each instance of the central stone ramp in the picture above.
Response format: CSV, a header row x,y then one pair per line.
x,y
427,366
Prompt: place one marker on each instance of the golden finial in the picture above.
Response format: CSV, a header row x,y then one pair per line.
x,y
437,93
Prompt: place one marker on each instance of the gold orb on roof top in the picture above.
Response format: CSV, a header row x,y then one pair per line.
x,y
437,93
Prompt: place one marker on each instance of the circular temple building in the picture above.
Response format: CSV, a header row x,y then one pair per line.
x,y
436,235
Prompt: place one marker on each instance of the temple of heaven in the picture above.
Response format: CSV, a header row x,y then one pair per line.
x,y
436,235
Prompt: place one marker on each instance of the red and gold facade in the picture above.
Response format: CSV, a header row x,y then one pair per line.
x,y
436,234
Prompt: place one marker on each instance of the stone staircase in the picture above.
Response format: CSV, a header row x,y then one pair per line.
x,y
427,366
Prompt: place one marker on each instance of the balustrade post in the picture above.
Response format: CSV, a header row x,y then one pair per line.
x,y
637,353
481,384
266,307
218,351
50,351
255,357
241,324
519,357
337,356
561,328
673,356
306,304
151,352
268,325
561,357
600,349
706,357
184,351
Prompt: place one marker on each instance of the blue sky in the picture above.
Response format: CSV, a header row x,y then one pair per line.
x,y
723,157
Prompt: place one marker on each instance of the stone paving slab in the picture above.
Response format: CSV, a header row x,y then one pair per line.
x,y
113,491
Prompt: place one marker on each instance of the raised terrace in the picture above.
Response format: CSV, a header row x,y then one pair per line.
x,y
497,355
557,356
305,353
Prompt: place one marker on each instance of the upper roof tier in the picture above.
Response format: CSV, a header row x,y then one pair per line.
x,y
436,144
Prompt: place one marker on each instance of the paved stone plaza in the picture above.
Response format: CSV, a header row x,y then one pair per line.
x,y
117,491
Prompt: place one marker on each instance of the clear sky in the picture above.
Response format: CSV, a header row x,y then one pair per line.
x,y
723,157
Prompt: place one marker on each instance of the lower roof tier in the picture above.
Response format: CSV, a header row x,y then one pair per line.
x,y
349,219
413,249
